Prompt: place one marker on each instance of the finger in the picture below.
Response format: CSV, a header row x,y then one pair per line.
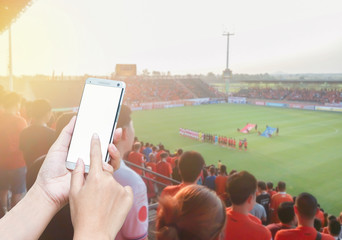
x,y
107,168
117,135
95,154
64,137
114,156
77,176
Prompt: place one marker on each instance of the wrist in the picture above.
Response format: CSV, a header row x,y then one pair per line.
x,y
38,195
83,234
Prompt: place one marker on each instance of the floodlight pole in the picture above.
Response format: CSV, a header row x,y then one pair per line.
x,y
10,59
228,35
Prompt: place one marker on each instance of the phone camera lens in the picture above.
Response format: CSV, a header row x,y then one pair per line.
x,y
118,84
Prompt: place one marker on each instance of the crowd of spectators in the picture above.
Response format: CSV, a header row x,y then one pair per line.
x,y
158,90
195,201
292,94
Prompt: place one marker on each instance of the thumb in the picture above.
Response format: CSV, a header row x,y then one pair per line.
x,y
77,176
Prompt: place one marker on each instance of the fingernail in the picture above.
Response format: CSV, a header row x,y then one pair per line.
x,y
112,147
79,161
95,136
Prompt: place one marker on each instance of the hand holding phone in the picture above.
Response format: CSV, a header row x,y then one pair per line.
x,y
98,113
98,204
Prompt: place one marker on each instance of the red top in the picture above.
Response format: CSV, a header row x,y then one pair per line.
x,y
301,233
276,200
164,168
158,155
138,159
10,128
244,227
153,165
220,186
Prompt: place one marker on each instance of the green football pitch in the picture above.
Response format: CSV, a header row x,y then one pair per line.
x,y
307,154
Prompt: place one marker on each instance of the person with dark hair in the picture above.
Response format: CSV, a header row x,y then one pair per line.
x,y
220,183
287,218
136,223
194,212
334,229
36,140
264,199
190,167
305,209
160,151
209,181
12,163
176,157
241,188
277,199
270,189
318,225
175,172
329,219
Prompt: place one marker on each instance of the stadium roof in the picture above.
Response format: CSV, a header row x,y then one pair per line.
x,y
10,10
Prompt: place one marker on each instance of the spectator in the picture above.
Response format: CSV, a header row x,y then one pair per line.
x,y
277,199
318,225
305,209
175,172
136,223
152,163
259,212
210,180
329,219
270,189
147,151
321,216
286,216
190,214
137,158
176,157
241,188
264,199
190,168
334,229
220,183
163,168
36,140
12,163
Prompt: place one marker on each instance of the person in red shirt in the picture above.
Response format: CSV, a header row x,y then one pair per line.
x,y
12,163
277,199
161,150
320,216
220,183
178,155
288,219
245,144
137,158
270,189
241,225
152,163
190,167
163,168
305,209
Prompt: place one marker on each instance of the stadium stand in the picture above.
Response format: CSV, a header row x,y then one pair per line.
x,y
292,94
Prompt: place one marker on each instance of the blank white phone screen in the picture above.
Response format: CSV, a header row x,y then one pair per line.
x,y
96,114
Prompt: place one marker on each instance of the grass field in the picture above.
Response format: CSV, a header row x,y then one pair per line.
x,y
307,154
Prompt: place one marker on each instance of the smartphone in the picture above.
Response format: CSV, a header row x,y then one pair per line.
x,y
98,113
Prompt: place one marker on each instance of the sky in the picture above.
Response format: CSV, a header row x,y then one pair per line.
x,y
181,36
